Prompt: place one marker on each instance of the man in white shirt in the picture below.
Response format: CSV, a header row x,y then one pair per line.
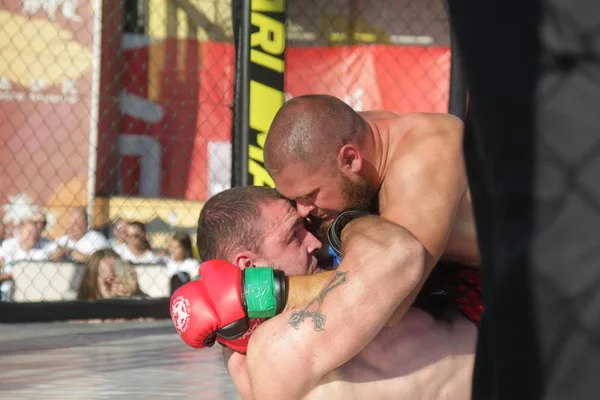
x,y
79,242
29,246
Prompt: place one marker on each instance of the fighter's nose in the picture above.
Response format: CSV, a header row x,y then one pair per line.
x,y
303,210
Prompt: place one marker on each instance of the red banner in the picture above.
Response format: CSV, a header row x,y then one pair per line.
x,y
395,78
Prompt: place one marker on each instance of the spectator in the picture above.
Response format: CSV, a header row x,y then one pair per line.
x,y
40,221
118,241
29,246
181,266
79,242
138,250
107,276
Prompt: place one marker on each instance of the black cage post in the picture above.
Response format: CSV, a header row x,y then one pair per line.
x,y
457,101
241,115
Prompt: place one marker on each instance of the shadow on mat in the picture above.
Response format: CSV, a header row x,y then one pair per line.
x,y
79,339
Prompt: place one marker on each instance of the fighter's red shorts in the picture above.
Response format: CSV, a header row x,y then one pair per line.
x,y
452,286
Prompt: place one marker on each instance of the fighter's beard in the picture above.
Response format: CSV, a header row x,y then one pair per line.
x,y
357,196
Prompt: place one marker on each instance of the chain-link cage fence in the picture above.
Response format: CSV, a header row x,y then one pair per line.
x,y
373,54
116,127
116,121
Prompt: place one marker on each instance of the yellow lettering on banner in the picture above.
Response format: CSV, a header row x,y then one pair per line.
x,y
270,35
261,177
256,153
265,101
266,60
261,138
268,5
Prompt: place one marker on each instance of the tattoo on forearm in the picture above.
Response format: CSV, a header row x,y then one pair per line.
x,y
313,309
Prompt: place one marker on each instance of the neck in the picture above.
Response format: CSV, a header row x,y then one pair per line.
x,y
27,245
375,154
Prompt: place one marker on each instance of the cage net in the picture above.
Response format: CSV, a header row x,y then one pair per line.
x,y
116,124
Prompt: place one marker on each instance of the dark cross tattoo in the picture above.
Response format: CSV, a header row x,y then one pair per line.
x,y
313,309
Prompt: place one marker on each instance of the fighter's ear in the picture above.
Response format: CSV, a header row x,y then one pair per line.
x,y
244,260
349,159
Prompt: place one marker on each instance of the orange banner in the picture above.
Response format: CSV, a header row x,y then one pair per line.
x,y
45,101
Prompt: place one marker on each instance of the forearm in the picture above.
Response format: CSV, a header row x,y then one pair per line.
x,y
302,289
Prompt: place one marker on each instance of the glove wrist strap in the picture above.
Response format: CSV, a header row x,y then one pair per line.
x,y
334,233
263,292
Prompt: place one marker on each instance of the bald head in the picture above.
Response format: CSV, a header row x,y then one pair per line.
x,y
311,129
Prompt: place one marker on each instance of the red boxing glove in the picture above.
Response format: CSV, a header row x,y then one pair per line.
x,y
215,307
200,318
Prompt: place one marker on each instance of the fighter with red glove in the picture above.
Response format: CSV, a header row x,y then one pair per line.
x,y
226,304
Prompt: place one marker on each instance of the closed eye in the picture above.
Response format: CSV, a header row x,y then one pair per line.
x,y
295,235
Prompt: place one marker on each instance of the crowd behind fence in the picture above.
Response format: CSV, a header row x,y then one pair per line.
x,y
116,122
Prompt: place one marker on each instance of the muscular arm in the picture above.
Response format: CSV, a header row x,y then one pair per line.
x,y
424,185
302,289
290,353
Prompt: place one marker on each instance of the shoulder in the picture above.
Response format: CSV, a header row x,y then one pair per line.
x,y
439,128
426,126
374,115
237,368
125,254
270,341
191,263
276,342
431,120
429,155
429,139
120,248
62,240
10,244
94,235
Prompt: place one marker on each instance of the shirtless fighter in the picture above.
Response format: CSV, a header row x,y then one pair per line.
x,y
409,169
336,346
